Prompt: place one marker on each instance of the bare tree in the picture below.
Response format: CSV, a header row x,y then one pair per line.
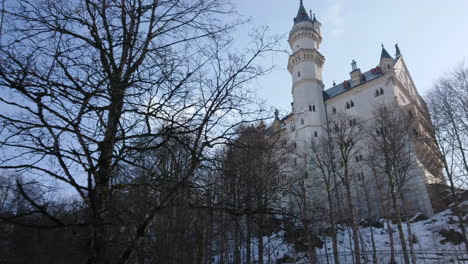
x,y
448,106
346,135
391,145
323,165
87,80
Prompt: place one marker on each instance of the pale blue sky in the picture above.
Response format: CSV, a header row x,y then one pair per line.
x,y
432,35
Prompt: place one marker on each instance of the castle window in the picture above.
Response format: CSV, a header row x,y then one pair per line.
x,y
315,134
358,158
293,128
298,74
361,176
302,121
313,108
379,92
294,145
334,110
379,131
349,104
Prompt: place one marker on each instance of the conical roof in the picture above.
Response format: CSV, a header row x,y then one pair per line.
x,y
301,14
385,54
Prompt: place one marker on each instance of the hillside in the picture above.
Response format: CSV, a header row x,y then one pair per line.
x,y
436,240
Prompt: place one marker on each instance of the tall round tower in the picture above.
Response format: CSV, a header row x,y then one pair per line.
x,y
305,65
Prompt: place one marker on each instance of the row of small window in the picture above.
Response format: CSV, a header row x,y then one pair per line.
x,y
311,108
357,158
350,104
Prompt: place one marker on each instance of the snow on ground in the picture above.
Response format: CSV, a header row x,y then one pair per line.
x,y
429,244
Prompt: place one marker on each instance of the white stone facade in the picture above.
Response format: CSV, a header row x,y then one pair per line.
x,y
386,84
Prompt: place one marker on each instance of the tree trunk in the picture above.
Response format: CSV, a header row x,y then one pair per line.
x,y
248,241
400,227
237,244
310,247
392,244
333,228
260,240
357,252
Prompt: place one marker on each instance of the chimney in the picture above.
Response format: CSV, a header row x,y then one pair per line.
x,y
356,74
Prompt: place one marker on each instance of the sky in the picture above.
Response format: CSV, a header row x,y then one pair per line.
x,y
432,36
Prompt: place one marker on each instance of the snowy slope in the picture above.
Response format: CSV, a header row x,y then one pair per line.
x,y
430,246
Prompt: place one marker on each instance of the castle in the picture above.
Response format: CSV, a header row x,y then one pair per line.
x,y
388,83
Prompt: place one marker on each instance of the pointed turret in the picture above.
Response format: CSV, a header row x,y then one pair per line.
x,y
301,14
386,61
385,54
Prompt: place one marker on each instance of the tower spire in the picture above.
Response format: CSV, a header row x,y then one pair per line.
x,y
302,14
384,53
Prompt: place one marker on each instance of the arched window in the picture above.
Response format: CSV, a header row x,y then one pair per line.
x,y
347,105
381,91
352,103
376,93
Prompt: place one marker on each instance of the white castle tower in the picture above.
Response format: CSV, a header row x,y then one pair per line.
x,y
306,65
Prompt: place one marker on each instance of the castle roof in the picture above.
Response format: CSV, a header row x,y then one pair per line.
x,y
348,85
385,54
302,14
